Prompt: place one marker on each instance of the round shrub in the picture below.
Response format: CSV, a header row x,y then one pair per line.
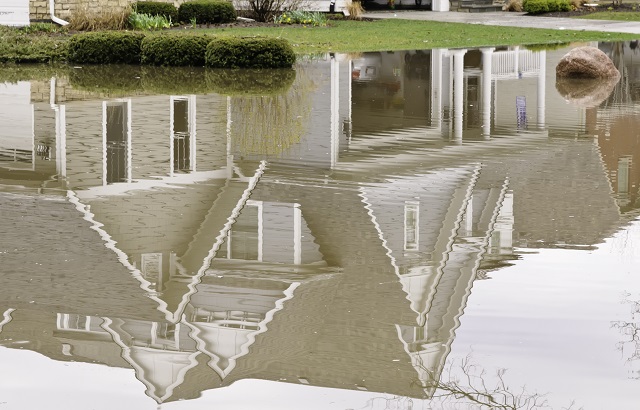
x,y
175,50
559,5
107,47
156,8
250,53
207,12
535,6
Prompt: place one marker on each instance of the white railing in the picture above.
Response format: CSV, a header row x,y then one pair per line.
x,y
515,63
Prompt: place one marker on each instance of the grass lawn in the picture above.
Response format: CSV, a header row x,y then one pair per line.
x,y
396,34
340,36
612,15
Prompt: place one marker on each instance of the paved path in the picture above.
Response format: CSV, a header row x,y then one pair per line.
x,y
510,19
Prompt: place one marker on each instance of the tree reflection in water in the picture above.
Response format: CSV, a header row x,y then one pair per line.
x,y
464,385
629,346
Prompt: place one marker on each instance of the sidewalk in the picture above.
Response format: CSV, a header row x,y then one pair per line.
x,y
511,19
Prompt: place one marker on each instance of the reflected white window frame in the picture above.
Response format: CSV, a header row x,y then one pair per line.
x,y
64,321
156,327
260,206
411,227
127,103
191,108
624,169
149,261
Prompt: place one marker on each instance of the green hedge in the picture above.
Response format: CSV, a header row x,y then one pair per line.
x,y
183,50
535,6
155,8
545,6
250,53
108,47
207,11
559,5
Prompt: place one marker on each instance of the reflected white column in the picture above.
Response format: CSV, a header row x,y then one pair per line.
x,y
229,154
297,234
504,224
436,87
487,67
468,217
192,110
129,147
542,87
172,136
350,130
60,119
516,61
335,110
458,90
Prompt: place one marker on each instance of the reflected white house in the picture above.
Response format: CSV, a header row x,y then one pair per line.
x,y
308,270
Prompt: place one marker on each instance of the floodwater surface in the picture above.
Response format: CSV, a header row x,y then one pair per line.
x,y
437,229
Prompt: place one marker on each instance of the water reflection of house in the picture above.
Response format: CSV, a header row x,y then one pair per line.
x,y
255,269
615,124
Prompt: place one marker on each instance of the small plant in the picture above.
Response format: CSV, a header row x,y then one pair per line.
x,y
108,47
513,5
259,52
355,9
193,22
302,17
207,11
140,21
183,50
156,8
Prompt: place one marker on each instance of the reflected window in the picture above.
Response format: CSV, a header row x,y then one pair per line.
x,y
151,267
117,137
183,133
79,323
624,165
243,240
166,331
236,319
411,232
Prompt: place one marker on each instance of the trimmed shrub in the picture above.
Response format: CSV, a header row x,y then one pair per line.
x,y
207,12
250,53
175,50
156,8
559,5
106,47
535,6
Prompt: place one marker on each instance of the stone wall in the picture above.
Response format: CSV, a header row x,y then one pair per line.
x,y
39,9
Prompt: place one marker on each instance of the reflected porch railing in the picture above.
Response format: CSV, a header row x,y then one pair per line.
x,y
514,63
